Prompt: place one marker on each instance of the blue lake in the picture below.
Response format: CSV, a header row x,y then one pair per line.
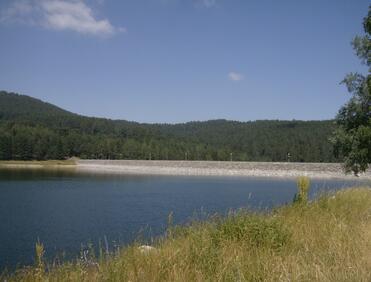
x,y
66,211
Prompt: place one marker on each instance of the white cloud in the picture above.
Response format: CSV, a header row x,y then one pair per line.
x,y
235,76
209,3
206,3
72,15
18,11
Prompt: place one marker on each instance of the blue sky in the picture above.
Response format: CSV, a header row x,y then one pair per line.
x,y
182,60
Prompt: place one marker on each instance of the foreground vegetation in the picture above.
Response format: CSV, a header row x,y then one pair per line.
x,y
326,240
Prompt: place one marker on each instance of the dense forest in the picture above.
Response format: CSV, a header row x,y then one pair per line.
x,y
32,129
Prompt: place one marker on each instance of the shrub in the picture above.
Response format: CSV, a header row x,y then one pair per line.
x,y
303,184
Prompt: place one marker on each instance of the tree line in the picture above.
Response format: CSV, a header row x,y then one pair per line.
x,y
34,130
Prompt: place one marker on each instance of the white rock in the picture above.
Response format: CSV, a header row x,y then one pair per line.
x,y
145,249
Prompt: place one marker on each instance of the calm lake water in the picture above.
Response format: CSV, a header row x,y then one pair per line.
x,y
66,211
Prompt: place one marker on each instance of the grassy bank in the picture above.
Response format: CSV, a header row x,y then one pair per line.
x,y
326,240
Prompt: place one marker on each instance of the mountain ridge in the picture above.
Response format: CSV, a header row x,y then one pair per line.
x,y
28,125
4,94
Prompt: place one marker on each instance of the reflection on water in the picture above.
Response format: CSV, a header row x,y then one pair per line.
x,y
64,209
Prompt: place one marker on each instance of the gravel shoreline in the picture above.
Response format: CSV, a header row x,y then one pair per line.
x,y
214,168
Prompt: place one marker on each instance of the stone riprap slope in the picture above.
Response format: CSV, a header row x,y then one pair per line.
x,y
213,168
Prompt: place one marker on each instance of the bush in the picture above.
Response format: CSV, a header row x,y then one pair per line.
x,y
303,184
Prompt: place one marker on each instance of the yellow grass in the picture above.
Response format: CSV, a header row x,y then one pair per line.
x,y
326,240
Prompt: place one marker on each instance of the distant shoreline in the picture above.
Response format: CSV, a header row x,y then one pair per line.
x,y
49,164
193,168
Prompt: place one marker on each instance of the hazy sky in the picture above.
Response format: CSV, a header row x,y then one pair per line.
x,y
182,60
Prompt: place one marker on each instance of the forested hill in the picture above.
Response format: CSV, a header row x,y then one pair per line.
x,y
33,129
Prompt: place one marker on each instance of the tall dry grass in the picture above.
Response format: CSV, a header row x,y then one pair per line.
x,y
325,240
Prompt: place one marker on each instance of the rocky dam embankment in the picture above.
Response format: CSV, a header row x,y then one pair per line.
x,y
214,168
